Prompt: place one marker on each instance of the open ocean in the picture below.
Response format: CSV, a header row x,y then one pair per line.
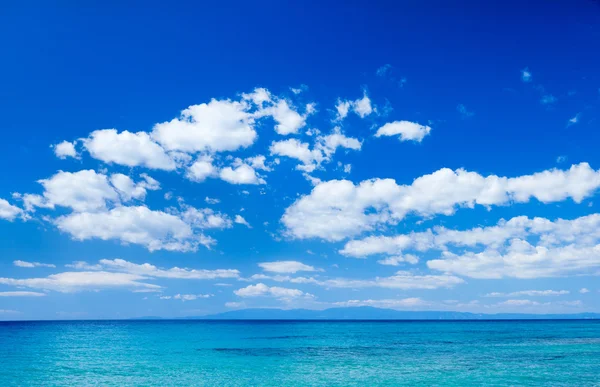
x,y
300,353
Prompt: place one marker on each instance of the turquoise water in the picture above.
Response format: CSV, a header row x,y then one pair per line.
x,y
220,353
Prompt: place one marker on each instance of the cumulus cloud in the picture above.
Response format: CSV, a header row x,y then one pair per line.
x,y
9,212
202,169
521,247
84,190
205,218
527,248
129,149
220,125
241,173
405,130
20,263
289,121
286,267
155,230
129,190
65,149
338,209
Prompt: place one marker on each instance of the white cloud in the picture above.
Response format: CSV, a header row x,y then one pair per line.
x,y
205,218
82,265
289,121
520,259
82,280
65,149
526,75
20,263
149,270
155,230
530,293
129,190
241,174
8,211
362,107
261,289
574,120
296,149
129,149
403,303
407,131
518,303
211,200
584,291
286,267
258,162
220,125
235,305
521,247
190,297
322,152
526,248
239,219
338,209
22,294
202,169
396,260
342,107
85,190
400,280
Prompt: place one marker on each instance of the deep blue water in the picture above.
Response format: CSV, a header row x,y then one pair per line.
x,y
300,353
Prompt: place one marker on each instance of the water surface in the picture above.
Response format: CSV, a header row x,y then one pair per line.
x,y
298,353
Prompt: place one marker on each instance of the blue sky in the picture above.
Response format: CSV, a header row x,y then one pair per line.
x,y
177,161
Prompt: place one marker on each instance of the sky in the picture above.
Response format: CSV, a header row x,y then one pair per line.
x,y
184,161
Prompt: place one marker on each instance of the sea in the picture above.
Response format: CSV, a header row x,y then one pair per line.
x,y
300,353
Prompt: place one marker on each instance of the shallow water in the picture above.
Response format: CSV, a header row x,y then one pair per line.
x,y
293,353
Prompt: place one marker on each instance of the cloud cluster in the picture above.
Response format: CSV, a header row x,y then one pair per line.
x,y
322,151
116,273
521,247
339,209
400,280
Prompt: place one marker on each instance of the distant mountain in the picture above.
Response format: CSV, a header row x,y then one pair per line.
x,y
370,313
